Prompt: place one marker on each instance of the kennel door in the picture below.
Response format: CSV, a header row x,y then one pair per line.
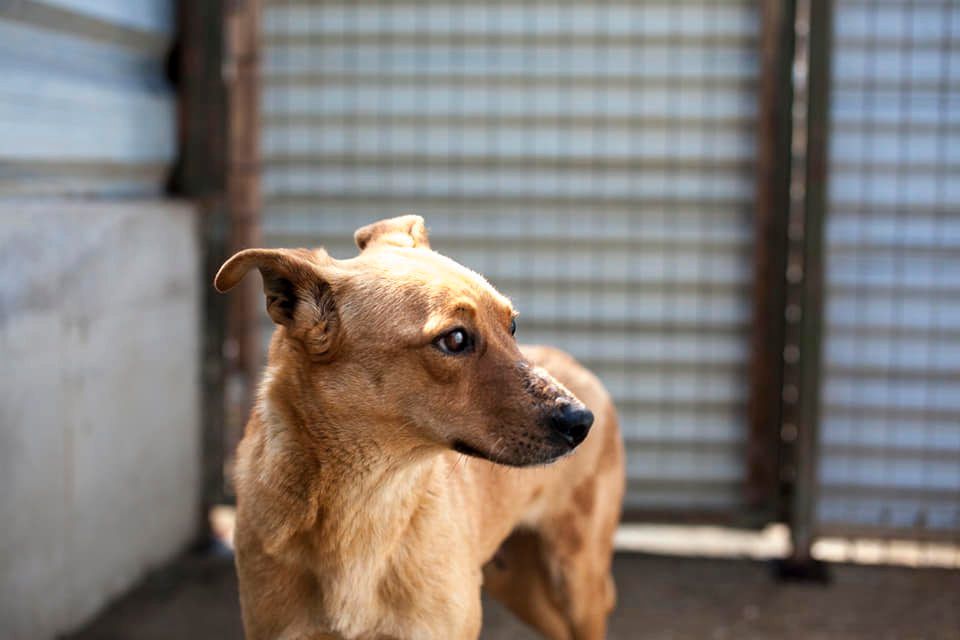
x,y
890,431
594,160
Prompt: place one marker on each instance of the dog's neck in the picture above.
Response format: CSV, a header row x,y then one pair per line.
x,y
353,489
351,510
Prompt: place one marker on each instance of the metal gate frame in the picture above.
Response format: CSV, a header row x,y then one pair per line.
x,y
792,201
913,79
787,294
219,58
215,65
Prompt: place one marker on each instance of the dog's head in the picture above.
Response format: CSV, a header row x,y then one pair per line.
x,y
413,342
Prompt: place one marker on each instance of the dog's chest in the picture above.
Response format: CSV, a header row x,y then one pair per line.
x,y
372,597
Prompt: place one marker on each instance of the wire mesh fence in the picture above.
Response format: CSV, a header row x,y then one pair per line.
x,y
890,432
597,161
592,159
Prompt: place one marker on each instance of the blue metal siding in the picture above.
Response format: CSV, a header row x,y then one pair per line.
x,y
85,108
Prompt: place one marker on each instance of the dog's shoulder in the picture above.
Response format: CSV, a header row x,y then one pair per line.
x,y
275,484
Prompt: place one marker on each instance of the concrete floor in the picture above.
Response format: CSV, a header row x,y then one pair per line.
x,y
660,598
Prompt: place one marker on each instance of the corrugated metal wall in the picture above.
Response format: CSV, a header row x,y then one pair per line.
x,y
593,159
890,433
85,108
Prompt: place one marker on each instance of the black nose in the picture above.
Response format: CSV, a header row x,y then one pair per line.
x,y
573,423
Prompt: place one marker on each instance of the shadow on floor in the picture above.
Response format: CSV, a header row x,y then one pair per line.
x,y
660,598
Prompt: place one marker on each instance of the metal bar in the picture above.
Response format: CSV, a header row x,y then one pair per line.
x,y
906,453
438,38
886,532
721,517
244,203
769,263
530,162
818,123
896,373
892,492
741,124
948,416
484,203
805,272
611,242
199,174
487,3
502,80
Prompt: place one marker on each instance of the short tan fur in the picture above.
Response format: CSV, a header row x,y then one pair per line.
x,y
404,451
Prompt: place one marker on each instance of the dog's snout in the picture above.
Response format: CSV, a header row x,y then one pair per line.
x,y
572,423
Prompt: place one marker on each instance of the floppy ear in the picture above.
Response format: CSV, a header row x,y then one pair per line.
x,y
298,296
403,231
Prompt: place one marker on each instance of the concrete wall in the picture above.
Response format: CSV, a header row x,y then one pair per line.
x,y
99,404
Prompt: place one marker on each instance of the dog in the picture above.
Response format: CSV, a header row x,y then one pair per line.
x,y
404,452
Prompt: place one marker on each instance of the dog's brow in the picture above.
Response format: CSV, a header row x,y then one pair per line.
x,y
464,306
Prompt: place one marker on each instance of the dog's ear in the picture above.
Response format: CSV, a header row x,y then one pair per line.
x,y
299,297
403,231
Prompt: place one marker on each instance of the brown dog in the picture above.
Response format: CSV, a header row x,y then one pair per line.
x,y
358,514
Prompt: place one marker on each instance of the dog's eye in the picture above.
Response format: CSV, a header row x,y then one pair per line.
x,y
513,327
454,342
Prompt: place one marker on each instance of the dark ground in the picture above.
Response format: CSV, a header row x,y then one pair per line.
x,y
660,598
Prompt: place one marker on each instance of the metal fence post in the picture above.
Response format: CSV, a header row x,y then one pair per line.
x,y
769,258
215,65
196,68
805,290
244,202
